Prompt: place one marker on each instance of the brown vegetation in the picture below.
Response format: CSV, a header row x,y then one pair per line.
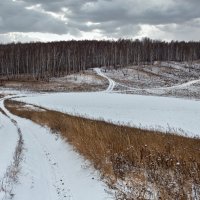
x,y
52,86
65,83
139,164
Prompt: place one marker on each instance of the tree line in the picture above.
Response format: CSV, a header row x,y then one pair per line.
x,y
44,60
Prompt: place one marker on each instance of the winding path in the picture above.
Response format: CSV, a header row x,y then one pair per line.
x,y
112,83
11,139
50,169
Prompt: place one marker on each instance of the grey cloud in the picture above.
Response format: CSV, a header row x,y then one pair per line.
x,y
113,18
16,37
14,17
55,6
135,11
186,31
114,15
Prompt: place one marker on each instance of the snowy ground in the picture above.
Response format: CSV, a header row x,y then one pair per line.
x,y
50,168
151,112
8,138
161,79
82,81
55,171
135,110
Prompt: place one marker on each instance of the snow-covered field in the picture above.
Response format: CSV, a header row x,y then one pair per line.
x,y
135,110
151,112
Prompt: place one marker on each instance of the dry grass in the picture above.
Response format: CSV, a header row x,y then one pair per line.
x,y
26,82
139,164
51,86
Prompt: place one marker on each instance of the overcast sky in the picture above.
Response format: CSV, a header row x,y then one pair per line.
x,y
48,20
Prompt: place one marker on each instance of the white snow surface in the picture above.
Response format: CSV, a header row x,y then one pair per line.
x,y
51,169
111,82
31,107
161,113
135,110
78,79
8,141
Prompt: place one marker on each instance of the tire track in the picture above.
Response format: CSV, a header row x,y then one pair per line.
x,y
111,82
10,177
56,178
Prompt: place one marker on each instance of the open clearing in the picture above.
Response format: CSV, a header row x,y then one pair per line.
x,y
56,171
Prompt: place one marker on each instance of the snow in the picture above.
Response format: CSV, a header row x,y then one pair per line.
x,y
163,79
135,110
111,82
34,108
184,86
161,113
51,169
80,78
9,91
8,142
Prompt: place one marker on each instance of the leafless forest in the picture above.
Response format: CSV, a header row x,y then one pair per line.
x,y
40,61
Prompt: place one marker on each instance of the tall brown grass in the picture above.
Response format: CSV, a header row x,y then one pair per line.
x,y
137,163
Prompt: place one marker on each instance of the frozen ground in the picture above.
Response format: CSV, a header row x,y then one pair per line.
x,y
151,112
112,83
50,168
135,110
82,81
55,171
161,79
8,142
